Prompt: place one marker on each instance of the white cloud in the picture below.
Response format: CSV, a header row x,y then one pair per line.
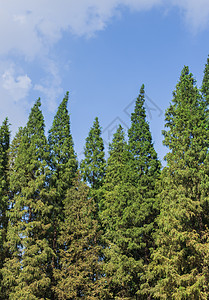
x,y
17,86
195,12
50,86
28,30
31,27
14,86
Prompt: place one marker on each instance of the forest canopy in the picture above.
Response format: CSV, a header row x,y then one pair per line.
x,y
115,228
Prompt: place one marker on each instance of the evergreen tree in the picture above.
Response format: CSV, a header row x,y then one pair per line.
x,y
117,160
144,164
93,165
4,193
63,162
129,203
63,165
144,174
205,82
25,271
179,269
120,269
80,273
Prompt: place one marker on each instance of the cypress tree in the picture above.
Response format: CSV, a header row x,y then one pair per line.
x,y
179,269
4,193
25,272
93,165
81,264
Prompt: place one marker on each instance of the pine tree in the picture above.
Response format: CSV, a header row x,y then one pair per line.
x,y
179,269
4,193
25,272
93,165
63,165
80,273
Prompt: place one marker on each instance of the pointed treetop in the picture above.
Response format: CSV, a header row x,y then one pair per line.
x,y
185,85
205,82
4,146
65,100
61,118
35,124
5,134
184,118
63,158
142,89
60,138
144,156
93,165
139,109
118,158
118,145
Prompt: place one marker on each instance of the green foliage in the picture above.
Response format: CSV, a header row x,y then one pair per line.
x,y
119,222
4,193
4,179
63,162
179,269
63,165
129,205
205,82
144,162
93,165
25,271
144,169
116,230
81,265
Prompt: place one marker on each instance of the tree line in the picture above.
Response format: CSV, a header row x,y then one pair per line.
x,y
121,228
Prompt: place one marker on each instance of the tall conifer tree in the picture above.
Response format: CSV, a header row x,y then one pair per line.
x,y
63,165
63,161
144,175
145,164
205,82
119,206
179,269
81,266
93,165
25,272
4,193
131,207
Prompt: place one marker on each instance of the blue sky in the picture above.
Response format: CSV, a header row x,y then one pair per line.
x,y
101,51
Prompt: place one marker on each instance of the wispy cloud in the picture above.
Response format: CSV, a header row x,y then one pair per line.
x,y
17,86
14,88
196,13
51,84
29,29
32,27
